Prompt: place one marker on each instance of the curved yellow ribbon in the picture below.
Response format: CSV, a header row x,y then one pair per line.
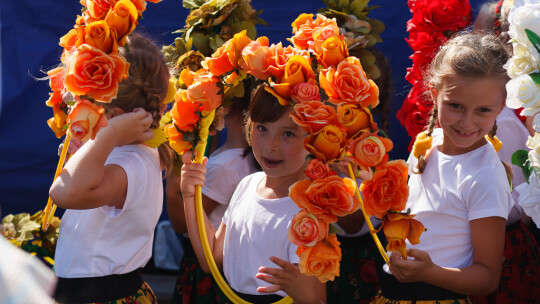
x,y
199,148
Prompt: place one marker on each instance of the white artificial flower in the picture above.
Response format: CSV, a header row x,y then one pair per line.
x,y
523,92
524,17
533,143
525,60
529,197
536,122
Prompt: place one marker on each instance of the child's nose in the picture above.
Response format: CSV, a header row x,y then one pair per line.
x,y
272,144
467,119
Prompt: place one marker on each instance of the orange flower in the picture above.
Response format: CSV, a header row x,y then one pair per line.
x,y
316,169
70,40
334,50
301,20
326,197
355,119
397,227
328,144
306,92
205,91
97,9
92,72
227,57
85,120
56,78
302,28
58,121
123,18
98,35
297,70
347,83
279,56
321,34
314,115
370,150
387,190
307,229
184,113
322,260
255,58
176,140
140,5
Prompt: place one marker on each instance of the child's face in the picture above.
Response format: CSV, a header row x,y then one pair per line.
x,y
279,148
467,110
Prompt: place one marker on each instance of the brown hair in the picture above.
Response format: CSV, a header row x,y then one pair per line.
x,y
146,86
471,55
263,107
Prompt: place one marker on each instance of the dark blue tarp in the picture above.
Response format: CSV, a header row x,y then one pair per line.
x,y
29,32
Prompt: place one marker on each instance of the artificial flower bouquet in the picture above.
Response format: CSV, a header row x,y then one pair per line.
x,y
24,231
523,91
431,25
338,121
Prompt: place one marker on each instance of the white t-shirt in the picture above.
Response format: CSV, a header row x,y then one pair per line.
x,y
452,191
105,240
257,229
224,171
513,135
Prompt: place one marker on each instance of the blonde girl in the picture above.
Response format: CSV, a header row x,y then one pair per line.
x,y
112,188
253,234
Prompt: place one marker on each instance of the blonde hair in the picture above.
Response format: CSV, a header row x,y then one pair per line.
x,y
146,86
470,55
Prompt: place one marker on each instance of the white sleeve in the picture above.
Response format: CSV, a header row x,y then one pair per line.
x,y
488,194
220,183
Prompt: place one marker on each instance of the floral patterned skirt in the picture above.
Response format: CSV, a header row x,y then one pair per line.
x,y
193,285
360,269
379,299
520,274
144,295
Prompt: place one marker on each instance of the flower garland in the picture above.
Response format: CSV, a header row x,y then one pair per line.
x,y
431,25
524,92
90,72
338,127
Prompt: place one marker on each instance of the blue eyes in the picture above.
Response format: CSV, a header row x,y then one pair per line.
x,y
288,134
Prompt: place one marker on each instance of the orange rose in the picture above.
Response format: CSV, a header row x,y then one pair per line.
x,y
387,190
279,56
314,115
370,150
397,227
305,92
97,9
321,34
326,197
347,83
184,113
85,120
301,20
205,91
355,119
316,169
328,144
140,5
186,77
238,42
70,40
176,140
58,121
98,35
334,50
307,229
56,78
322,260
227,57
123,17
297,70
302,28
92,72
255,58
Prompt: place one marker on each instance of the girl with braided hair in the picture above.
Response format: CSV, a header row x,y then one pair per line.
x,y
458,186
112,188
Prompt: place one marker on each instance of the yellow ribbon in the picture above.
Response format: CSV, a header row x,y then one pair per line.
x,y
51,207
199,148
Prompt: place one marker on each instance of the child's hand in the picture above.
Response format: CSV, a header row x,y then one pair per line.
x,y
412,270
302,288
192,174
132,127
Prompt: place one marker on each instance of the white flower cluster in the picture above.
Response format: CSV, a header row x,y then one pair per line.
x,y
524,92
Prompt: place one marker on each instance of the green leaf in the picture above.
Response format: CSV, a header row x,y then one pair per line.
x,y
535,77
534,39
334,229
520,159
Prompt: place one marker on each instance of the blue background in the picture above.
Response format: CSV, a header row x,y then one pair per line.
x,y
30,31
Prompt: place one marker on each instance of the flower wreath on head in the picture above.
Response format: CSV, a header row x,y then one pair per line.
x,y
523,91
339,123
90,73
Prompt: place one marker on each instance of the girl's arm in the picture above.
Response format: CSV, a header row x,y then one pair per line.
x,y
85,182
175,204
481,278
301,288
193,174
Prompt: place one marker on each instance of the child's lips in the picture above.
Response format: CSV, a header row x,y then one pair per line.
x,y
271,163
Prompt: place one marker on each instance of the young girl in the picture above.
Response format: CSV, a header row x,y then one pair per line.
x,y
234,161
112,188
255,226
461,192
